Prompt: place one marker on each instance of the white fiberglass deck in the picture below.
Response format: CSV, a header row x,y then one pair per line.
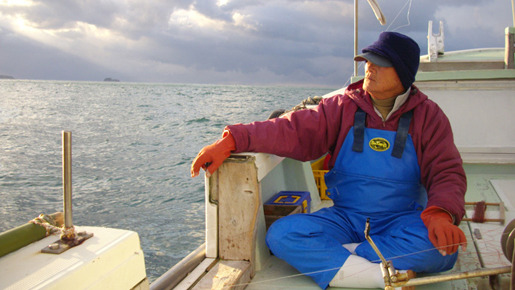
x,y
491,183
111,259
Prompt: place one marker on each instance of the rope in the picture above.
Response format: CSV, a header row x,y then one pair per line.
x,y
46,222
325,270
49,224
407,16
68,233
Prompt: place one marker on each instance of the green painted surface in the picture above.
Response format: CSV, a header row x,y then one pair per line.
x,y
479,186
459,75
19,237
465,75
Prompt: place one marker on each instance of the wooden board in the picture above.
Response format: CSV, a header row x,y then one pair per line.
x,y
493,184
226,275
487,240
239,201
505,188
192,277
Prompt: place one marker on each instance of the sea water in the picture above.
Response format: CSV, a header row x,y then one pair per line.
x,y
132,147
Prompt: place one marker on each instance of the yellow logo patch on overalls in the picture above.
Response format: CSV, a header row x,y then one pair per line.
x,y
379,144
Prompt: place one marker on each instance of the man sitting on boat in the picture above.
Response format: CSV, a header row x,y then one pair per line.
x,y
393,160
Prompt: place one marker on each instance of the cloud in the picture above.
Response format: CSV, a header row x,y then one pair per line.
x,y
224,41
29,59
474,24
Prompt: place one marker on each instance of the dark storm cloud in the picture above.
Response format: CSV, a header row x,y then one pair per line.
x,y
303,42
31,60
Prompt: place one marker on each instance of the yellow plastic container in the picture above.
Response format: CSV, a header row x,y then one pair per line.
x,y
319,173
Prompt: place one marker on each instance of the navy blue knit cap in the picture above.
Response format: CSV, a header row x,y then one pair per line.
x,y
402,51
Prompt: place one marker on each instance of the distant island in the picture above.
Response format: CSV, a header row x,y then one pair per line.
x,y
111,80
6,77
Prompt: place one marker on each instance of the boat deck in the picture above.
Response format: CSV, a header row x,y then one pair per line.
x,y
110,259
235,247
490,183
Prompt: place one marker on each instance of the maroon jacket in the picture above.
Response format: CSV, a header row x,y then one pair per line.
x,y
308,134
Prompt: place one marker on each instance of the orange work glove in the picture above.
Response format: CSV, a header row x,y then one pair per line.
x,y
212,156
443,234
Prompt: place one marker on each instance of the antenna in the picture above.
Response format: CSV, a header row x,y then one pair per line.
x,y
513,11
377,11
379,15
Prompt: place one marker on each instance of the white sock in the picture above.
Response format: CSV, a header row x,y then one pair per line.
x,y
358,272
351,247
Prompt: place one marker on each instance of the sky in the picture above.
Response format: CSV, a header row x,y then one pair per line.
x,y
254,42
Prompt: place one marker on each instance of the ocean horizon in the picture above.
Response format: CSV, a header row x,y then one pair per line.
x,y
132,147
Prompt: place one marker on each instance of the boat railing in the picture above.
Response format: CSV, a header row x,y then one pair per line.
x,y
171,278
235,246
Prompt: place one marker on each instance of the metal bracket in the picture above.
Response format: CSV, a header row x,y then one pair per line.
x,y
390,275
63,244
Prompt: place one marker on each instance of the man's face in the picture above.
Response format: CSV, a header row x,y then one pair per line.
x,y
382,82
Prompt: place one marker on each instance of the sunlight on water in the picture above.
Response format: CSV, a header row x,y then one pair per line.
x,y
132,148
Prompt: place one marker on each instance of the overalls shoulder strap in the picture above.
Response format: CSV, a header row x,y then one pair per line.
x,y
359,130
400,137
402,134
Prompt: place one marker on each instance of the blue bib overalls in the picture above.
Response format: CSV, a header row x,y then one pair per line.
x,y
376,176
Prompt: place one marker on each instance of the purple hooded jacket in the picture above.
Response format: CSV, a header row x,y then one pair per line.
x,y
309,134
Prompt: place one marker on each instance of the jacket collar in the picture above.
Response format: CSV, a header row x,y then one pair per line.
x,y
356,92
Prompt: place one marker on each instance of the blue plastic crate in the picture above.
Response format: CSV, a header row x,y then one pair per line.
x,y
293,198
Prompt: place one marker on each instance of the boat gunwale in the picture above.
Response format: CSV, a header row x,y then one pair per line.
x,y
179,271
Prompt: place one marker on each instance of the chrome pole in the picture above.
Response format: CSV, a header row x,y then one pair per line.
x,y
454,276
355,37
512,280
67,179
69,238
513,11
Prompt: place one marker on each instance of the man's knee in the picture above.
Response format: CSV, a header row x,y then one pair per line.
x,y
285,231
432,262
276,234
